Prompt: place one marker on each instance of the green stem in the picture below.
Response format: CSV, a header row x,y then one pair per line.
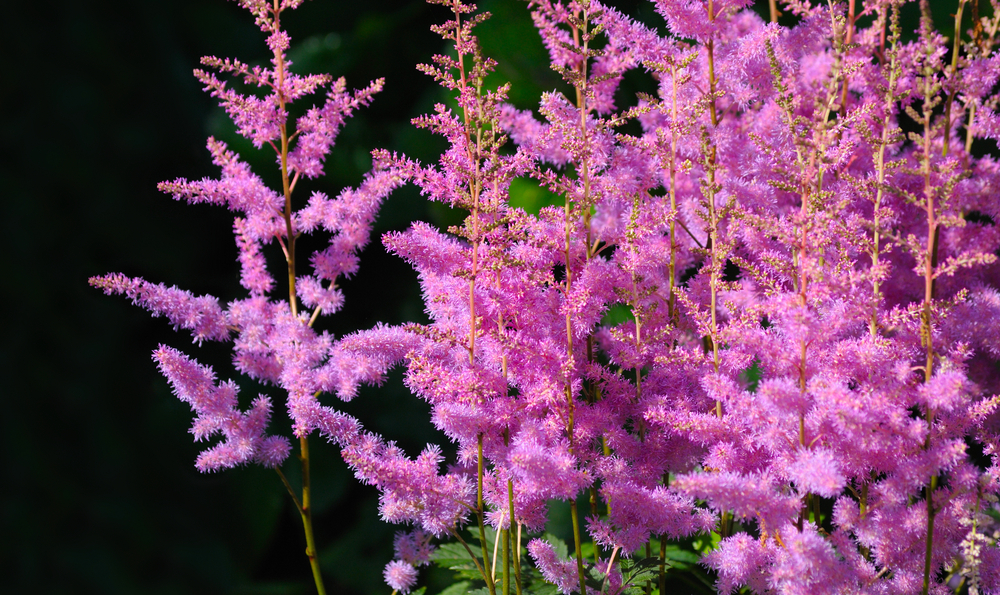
x,y
663,564
285,181
291,492
880,166
930,534
593,513
926,326
505,535
472,556
726,524
480,512
576,541
649,584
517,544
306,512
956,50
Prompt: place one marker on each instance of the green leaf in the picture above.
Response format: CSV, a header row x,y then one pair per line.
x,y
676,554
541,588
453,556
530,196
616,315
491,537
595,577
460,588
640,571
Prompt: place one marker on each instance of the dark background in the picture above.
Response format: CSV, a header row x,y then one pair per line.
x,y
98,492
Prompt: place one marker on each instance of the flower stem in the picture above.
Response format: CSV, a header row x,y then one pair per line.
x,y
576,540
481,516
305,510
880,166
956,50
516,544
472,556
663,564
930,534
505,535
930,263
291,491
285,182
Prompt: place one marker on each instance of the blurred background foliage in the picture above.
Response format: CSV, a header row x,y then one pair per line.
x,y
99,492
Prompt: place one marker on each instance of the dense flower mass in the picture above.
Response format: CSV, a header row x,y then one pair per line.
x,y
758,326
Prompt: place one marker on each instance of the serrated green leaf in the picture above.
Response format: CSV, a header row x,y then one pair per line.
x,y
460,588
646,574
541,589
453,556
676,554
640,570
476,543
595,577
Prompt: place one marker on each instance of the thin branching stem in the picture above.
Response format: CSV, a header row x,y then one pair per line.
x,y
581,39
472,556
929,262
291,491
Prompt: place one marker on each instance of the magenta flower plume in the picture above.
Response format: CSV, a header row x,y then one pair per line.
x,y
561,573
215,408
273,342
756,327
201,315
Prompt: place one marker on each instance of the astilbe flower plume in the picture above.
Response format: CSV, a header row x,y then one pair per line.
x,y
272,336
762,311
771,151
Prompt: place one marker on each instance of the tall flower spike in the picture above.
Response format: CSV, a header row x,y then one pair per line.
x,y
272,341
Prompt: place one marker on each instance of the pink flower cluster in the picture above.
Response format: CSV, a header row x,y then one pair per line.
x,y
767,307
273,339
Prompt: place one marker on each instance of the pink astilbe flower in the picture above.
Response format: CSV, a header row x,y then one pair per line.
x,y
238,189
561,573
808,564
400,575
215,407
740,560
412,490
759,301
319,127
817,471
273,341
201,315
542,469
413,547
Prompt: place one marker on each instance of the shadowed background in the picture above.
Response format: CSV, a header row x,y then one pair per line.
x,y
99,492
